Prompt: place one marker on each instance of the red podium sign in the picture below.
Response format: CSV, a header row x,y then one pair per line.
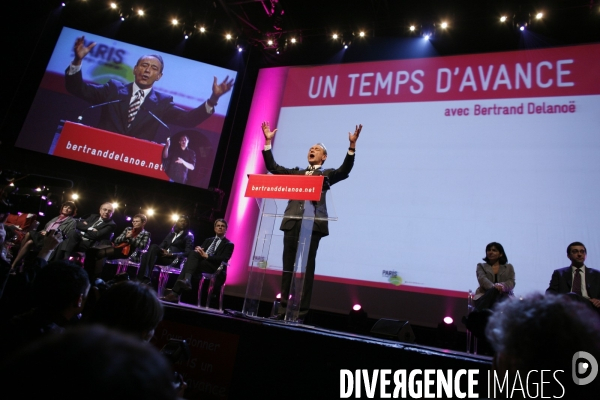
x,y
112,150
288,187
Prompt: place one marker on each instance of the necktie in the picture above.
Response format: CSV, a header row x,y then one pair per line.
x,y
213,246
576,288
134,106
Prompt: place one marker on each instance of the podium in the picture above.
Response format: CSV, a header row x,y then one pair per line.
x,y
276,194
108,149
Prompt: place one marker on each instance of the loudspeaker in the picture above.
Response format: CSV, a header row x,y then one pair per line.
x,y
394,330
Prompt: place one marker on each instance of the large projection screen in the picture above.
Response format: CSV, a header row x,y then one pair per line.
x,y
456,152
59,121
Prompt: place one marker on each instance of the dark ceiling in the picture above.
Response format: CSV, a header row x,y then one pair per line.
x,y
474,25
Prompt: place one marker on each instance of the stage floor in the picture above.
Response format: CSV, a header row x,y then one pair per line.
x,y
237,357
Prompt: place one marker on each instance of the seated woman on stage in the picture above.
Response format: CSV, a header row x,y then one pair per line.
x,y
128,244
64,222
496,277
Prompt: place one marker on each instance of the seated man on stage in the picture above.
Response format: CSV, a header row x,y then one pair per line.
x,y
577,280
135,109
218,249
64,222
178,243
129,244
95,230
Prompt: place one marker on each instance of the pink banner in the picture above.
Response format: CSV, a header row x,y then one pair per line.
x,y
518,74
292,187
96,146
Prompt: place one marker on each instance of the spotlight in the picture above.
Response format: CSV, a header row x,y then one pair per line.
x,y
113,6
293,40
444,25
128,218
122,18
115,205
185,37
447,333
357,319
228,36
174,21
426,37
150,212
335,36
38,189
276,304
503,18
345,46
41,213
412,28
141,12
239,49
270,42
522,28
49,203
361,34
202,29
74,196
539,15
174,217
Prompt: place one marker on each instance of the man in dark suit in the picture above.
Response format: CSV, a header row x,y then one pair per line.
x,y
131,114
178,244
317,155
96,229
578,280
205,258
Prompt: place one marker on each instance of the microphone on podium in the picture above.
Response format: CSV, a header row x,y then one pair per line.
x,y
159,120
80,117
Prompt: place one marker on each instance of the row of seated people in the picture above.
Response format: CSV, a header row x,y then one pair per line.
x,y
92,236
496,278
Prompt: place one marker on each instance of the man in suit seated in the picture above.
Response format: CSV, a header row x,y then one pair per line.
x,y
130,244
577,280
218,250
178,244
95,230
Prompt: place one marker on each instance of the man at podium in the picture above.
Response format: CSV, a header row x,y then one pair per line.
x,y
317,155
136,109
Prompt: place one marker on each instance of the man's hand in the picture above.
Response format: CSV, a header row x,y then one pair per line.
x,y
179,160
219,89
81,50
595,302
201,251
353,137
168,144
164,252
267,132
129,233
